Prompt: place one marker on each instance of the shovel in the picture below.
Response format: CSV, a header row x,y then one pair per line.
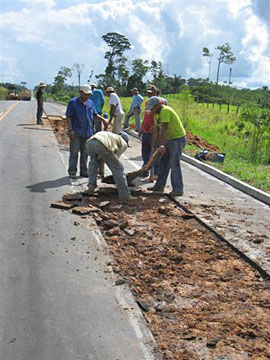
x,y
132,175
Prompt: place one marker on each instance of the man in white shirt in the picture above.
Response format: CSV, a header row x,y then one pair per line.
x,y
116,111
108,147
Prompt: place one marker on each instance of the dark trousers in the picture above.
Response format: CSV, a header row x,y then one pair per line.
x,y
39,114
77,146
147,149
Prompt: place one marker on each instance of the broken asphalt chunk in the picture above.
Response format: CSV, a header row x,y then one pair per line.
x,y
120,282
103,204
63,205
72,196
109,224
81,210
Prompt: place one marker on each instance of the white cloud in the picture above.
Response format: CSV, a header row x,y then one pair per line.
x,y
236,6
255,45
59,33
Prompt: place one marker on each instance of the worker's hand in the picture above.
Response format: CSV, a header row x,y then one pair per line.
x,y
105,124
72,134
162,150
140,133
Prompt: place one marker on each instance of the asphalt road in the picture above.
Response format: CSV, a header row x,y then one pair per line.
x,y
58,300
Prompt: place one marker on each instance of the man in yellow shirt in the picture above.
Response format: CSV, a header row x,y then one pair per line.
x,y
171,136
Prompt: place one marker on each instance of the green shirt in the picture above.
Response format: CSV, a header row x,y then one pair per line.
x,y
175,126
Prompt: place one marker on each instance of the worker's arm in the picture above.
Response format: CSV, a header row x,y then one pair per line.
x,y
71,132
104,122
155,138
163,134
121,149
112,111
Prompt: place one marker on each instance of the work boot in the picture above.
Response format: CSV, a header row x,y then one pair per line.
x,y
91,189
85,175
156,189
176,193
72,176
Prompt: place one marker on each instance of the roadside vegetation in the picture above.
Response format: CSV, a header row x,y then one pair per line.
x,y
3,92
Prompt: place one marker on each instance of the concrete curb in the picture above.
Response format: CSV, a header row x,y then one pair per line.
x,y
238,184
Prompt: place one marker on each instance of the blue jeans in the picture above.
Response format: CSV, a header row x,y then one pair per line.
x,y
147,150
77,146
97,150
39,114
171,161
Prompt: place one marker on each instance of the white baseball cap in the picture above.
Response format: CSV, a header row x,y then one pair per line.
x,y
86,89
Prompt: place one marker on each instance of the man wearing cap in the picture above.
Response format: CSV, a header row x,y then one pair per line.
x,y
39,96
116,111
80,115
108,146
146,133
98,99
172,139
135,109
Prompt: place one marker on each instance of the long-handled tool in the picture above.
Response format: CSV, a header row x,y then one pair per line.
x,y
132,175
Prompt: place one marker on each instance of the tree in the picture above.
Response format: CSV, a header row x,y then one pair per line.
x,y
158,73
117,44
60,78
79,69
206,52
139,70
254,123
225,56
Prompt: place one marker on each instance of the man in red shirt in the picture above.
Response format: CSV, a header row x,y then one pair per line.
x,y
146,133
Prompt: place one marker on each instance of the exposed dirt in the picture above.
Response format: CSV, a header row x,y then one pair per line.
x,y
59,126
60,129
200,300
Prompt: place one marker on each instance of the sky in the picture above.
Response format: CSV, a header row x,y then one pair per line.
x,y
39,37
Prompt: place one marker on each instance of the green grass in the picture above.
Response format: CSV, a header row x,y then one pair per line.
x,y
218,127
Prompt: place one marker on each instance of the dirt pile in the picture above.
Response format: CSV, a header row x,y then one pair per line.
x,y
200,300
59,127
200,143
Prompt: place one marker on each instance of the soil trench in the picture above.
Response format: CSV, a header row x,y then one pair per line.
x,y
200,300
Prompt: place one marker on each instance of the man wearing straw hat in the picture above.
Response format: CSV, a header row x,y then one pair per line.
x,y
39,96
